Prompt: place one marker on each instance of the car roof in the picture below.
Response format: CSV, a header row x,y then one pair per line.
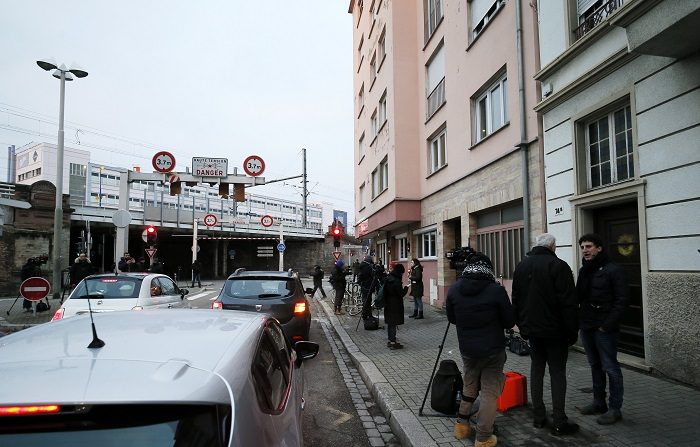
x,y
169,355
242,273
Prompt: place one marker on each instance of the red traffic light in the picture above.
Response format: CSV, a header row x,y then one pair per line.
x,y
336,231
151,230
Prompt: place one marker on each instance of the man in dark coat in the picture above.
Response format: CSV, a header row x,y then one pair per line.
x,y
80,269
127,264
317,275
366,278
196,272
602,291
339,283
157,266
481,310
416,277
546,313
394,292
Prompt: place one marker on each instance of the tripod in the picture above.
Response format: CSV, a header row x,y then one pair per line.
x,y
432,374
375,280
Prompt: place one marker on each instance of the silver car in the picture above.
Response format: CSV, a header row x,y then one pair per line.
x,y
123,291
161,378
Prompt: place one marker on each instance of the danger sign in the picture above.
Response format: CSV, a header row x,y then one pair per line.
x,y
35,288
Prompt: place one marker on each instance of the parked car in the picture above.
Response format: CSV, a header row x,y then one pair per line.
x,y
162,378
123,291
279,294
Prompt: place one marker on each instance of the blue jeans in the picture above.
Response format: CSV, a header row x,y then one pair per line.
x,y
601,350
418,303
391,332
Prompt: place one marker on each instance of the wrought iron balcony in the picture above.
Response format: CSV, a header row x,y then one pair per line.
x,y
596,17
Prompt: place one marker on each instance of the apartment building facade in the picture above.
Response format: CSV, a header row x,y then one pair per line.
x,y
621,118
447,152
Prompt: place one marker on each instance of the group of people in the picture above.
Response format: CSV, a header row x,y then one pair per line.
x,y
551,312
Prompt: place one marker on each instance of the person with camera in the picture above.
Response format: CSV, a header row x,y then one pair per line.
x,y
480,309
338,281
394,292
544,298
81,268
366,278
127,264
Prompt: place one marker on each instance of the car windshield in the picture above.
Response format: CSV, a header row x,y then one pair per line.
x,y
118,425
259,287
108,287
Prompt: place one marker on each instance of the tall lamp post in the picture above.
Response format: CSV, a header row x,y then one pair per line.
x,y
64,75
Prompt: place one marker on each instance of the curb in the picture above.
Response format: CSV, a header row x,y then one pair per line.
x,y
401,419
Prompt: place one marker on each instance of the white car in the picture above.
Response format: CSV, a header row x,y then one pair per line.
x,y
123,291
163,378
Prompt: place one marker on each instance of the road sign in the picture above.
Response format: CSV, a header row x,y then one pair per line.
x,y
337,255
121,219
210,220
151,252
254,165
240,220
34,288
281,247
174,178
266,220
209,167
144,235
163,161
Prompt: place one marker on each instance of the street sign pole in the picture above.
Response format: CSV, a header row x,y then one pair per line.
x,y
281,252
194,244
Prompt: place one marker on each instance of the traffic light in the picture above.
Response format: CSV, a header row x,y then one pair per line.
x,y
151,235
337,232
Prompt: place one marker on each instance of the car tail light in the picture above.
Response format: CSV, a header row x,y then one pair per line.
x,y
58,315
300,308
217,305
29,409
137,308
297,338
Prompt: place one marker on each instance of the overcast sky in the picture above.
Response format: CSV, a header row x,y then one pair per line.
x,y
225,78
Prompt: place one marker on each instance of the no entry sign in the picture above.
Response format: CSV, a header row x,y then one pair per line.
x,y
35,288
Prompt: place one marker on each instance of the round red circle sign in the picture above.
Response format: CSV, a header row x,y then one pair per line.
x,y
163,161
210,220
35,288
266,220
254,166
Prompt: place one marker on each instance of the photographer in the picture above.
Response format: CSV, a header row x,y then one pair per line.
x,y
366,278
80,269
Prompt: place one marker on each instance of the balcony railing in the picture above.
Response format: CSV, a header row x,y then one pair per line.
x,y
598,15
436,98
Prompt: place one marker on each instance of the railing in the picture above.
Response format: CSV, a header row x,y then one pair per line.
x,y
597,17
7,190
436,98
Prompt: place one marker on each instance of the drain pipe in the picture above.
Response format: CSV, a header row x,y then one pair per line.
x,y
523,129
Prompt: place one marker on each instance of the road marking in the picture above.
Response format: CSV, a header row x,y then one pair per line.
x,y
201,294
342,416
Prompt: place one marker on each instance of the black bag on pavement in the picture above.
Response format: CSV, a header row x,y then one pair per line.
x,y
371,324
42,306
516,344
446,388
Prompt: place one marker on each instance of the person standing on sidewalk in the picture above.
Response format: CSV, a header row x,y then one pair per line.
x,y
416,277
317,275
339,283
481,310
394,292
80,269
546,311
196,272
366,278
602,292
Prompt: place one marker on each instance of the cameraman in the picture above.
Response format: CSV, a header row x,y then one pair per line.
x,y
366,277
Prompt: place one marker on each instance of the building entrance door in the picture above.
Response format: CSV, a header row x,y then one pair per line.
x,y
618,225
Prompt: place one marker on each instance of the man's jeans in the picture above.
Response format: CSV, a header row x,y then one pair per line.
x,y
391,332
483,376
552,352
195,279
418,303
601,350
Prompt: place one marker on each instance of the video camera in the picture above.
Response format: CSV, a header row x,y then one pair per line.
x,y
459,257
43,259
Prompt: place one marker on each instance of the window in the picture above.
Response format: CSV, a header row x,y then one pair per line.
x,y
372,70
380,178
499,235
77,169
381,253
270,371
435,83
361,147
361,99
374,124
403,247
590,13
482,13
609,150
382,110
360,57
432,10
382,47
436,151
361,197
491,109
427,244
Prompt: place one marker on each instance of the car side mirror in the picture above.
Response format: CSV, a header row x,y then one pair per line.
x,y
183,292
305,350
309,291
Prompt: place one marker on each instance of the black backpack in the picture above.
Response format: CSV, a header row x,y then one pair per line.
x,y
371,323
42,306
446,388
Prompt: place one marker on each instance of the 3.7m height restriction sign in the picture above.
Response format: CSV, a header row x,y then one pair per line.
x,y
254,165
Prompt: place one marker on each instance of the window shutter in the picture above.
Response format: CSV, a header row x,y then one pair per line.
x,y
583,6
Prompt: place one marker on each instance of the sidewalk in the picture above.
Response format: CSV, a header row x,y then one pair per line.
x,y
656,412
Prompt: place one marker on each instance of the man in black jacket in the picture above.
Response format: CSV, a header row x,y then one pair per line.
x,y
546,312
317,275
394,291
481,310
603,291
366,277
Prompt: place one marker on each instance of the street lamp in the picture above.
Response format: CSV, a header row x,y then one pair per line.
x,y
64,75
